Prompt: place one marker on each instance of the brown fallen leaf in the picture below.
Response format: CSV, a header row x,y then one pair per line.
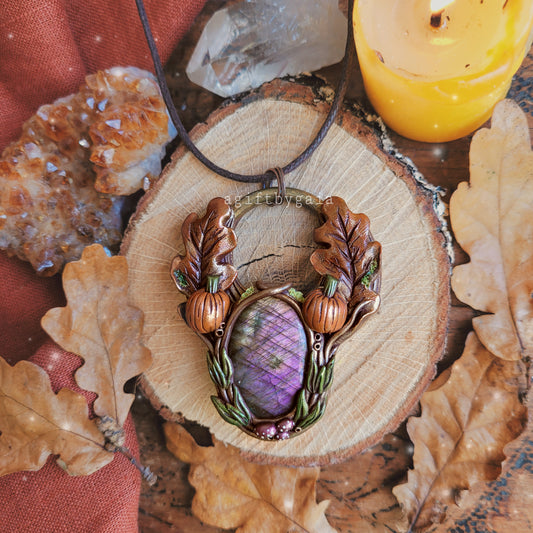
x,y
360,489
234,493
100,326
460,436
508,500
492,218
35,422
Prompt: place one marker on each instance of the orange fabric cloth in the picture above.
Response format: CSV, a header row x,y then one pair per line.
x,y
47,47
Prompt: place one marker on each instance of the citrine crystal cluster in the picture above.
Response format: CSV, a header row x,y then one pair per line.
x,y
63,182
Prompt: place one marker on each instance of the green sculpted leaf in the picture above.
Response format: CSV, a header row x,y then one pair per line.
x,y
302,408
229,413
297,295
248,292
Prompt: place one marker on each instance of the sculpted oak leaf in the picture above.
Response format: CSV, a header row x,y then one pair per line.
x,y
35,423
492,218
351,253
207,240
460,437
234,493
99,325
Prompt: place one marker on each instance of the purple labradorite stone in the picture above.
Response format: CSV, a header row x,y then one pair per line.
x,y
268,348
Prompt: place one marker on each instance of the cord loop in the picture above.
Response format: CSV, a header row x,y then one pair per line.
x,y
279,177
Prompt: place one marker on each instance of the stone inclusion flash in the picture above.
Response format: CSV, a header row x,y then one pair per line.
x,y
255,41
268,349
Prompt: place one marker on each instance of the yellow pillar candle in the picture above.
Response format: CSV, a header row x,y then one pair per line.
x,y
434,69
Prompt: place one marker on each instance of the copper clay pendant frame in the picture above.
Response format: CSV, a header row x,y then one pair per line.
x,y
271,350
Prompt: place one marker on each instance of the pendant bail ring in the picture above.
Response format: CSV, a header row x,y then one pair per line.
x,y
279,176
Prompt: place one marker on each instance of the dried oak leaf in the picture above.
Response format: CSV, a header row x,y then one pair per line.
x,y
360,489
208,241
99,325
35,422
234,493
495,505
492,218
351,252
460,436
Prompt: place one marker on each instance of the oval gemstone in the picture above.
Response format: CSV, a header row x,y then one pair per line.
x,y
268,348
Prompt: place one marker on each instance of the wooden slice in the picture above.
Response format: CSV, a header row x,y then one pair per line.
x,y
382,370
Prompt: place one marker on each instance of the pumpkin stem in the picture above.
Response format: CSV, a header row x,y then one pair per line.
x,y
331,286
212,284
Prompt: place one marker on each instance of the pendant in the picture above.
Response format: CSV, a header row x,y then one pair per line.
x,y
271,350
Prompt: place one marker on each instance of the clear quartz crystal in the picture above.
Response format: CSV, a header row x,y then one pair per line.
x,y
255,41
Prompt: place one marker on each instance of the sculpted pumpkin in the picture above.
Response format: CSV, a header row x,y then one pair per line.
x,y
325,312
205,311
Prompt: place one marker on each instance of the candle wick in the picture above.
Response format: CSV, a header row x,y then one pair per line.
x,y
436,19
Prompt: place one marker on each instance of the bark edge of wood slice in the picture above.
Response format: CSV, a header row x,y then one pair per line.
x,y
382,370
